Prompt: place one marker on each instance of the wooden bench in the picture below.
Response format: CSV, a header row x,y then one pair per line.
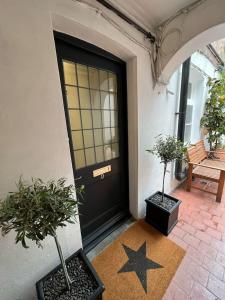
x,y
200,166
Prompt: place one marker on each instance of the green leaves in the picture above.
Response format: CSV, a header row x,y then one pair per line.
x,y
36,210
214,116
168,149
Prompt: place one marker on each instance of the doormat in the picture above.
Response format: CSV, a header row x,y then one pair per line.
x,y
139,264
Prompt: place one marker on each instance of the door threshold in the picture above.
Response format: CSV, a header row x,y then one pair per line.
x,y
101,246
101,233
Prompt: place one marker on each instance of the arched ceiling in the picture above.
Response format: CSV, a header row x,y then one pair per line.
x,y
150,13
179,26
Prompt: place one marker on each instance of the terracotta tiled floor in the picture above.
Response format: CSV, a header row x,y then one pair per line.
x,y
201,231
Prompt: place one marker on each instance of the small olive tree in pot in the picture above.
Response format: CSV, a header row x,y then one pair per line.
x,y
162,209
35,211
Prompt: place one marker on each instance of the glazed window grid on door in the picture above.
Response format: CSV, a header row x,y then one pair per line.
x,y
93,113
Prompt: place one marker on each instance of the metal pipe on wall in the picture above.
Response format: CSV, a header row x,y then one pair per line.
x,y
147,34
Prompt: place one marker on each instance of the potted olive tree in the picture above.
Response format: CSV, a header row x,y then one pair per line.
x,y
35,211
162,209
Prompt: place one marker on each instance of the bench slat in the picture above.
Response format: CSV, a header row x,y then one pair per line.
x,y
209,169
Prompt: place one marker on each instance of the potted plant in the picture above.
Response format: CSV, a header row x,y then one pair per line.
x,y
35,211
162,209
213,119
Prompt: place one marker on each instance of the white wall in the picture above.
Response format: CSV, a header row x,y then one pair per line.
x,y
201,68
33,140
156,116
32,124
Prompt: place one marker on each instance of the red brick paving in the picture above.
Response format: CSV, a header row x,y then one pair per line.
x,y
201,293
203,236
214,233
199,225
201,232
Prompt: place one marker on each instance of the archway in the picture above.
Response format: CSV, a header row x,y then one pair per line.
x,y
213,34
184,33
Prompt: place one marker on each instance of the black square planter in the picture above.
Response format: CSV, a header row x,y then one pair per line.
x,y
97,293
162,219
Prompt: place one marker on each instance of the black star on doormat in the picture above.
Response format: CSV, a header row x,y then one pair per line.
x,y
139,263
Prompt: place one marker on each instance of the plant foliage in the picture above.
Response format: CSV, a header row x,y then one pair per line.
x,y
168,149
213,118
36,210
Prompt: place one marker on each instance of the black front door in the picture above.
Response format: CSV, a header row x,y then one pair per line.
x,y
94,90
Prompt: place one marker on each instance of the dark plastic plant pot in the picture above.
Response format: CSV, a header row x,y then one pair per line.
x,y
97,293
162,219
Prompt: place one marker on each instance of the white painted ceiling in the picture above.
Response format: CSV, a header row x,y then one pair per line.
x,y
150,13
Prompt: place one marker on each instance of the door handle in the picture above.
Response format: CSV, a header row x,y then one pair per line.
x,y
78,178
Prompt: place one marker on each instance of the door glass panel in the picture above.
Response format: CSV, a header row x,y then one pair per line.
x,y
105,100
94,78
98,137
95,99
104,84
86,119
106,118
107,136
72,97
75,119
82,74
114,118
97,121
108,152
115,150
114,133
113,101
93,114
88,138
69,73
112,82
77,140
84,98
79,159
99,154
90,156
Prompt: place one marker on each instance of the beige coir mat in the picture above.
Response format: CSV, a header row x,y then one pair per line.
x,y
139,264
